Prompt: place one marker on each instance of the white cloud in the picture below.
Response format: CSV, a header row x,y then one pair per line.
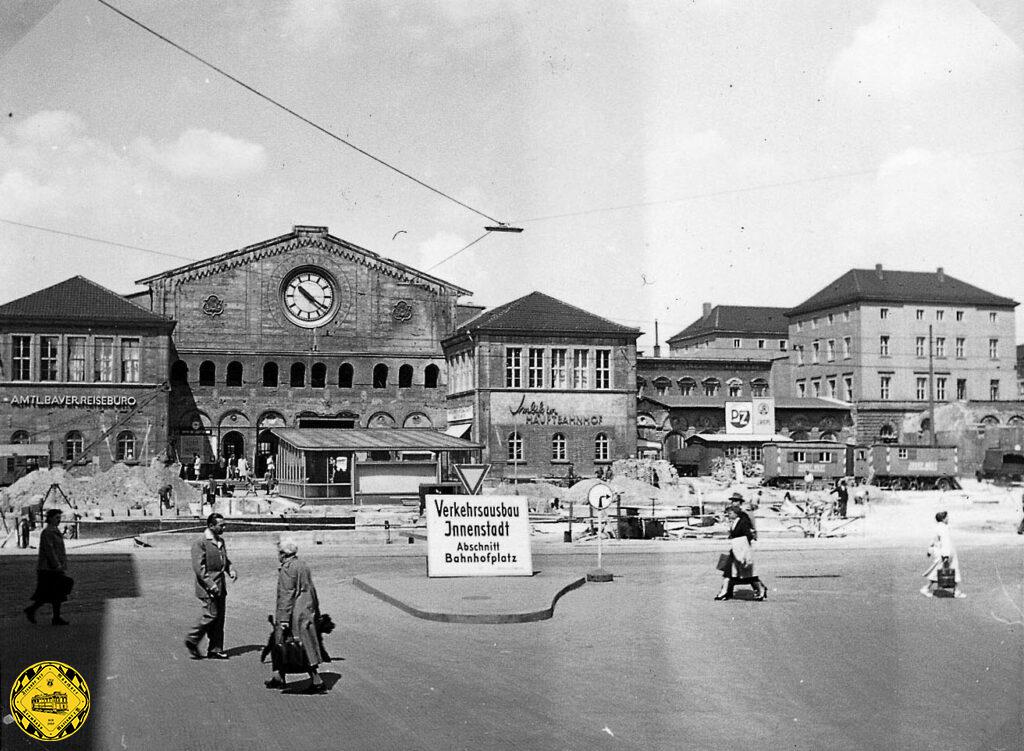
x,y
49,127
312,22
919,44
204,153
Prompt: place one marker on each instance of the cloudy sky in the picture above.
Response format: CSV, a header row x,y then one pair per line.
x,y
658,154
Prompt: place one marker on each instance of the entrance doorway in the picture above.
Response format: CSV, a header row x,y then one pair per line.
x,y
266,446
232,443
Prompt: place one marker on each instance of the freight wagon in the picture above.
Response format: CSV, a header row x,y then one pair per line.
x,y
910,466
18,459
786,464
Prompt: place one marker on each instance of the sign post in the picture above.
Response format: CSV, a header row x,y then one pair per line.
x,y
600,498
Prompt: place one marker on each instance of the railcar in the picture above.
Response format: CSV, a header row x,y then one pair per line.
x,y
787,464
910,466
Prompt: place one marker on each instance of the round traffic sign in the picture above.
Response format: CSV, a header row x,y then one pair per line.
x,y
600,496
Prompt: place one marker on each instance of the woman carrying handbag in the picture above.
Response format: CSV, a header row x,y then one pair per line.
x,y
738,566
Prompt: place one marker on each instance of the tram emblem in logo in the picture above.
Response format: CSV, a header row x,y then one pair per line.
x,y
213,306
50,700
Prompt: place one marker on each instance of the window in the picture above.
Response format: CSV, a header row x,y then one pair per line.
x,y
993,349
21,358
131,356
207,373
758,387
939,315
430,375
48,362
799,349
940,346
558,448
830,349
782,345
760,343
179,372
19,436
846,348
735,388
960,342
801,389
380,376
125,446
76,358
993,389
961,389
603,369
798,456
661,385
902,453
919,345
318,376
405,376
736,343
345,375
515,448
833,390
687,386
846,315
799,325
270,375
991,317
513,367
815,350
831,319
848,387
922,388
884,386
940,388
711,386
559,376
825,456
73,445
883,345
580,369
814,323
234,376
920,314
959,315
535,369
601,448
883,313
297,376
816,387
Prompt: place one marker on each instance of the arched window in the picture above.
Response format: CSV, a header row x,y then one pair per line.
x,y
601,448
759,387
887,433
380,376
799,435
711,386
345,376
515,447
687,387
207,374
179,372
125,446
735,387
73,445
405,377
19,436
430,375
270,375
318,376
829,436
234,376
558,448
662,385
298,375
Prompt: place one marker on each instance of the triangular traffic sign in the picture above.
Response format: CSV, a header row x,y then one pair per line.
x,y
472,476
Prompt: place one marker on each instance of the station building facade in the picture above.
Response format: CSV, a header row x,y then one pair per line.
x,y
84,371
304,330
550,389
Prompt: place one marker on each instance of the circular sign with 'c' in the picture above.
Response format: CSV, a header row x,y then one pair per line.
x,y
600,496
50,700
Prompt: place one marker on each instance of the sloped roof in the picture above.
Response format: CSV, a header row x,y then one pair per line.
x,y
884,285
83,301
737,319
543,314
373,439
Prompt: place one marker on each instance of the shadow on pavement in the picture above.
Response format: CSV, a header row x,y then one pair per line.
x,y
80,645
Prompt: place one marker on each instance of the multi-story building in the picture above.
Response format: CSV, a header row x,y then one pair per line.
x,y
548,387
84,371
890,341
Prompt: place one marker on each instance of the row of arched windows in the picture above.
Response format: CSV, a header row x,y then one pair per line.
x,y
297,375
74,444
559,453
707,387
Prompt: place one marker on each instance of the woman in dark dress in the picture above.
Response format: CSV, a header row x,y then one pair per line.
x,y
52,584
740,569
297,609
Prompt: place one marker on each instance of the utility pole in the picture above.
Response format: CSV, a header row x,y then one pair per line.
x,y
931,390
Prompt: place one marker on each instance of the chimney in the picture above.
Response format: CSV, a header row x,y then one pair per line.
x,y
657,347
707,310
941,274
878,270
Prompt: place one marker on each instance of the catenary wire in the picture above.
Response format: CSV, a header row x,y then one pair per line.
x,y
464,247
97,240
295,114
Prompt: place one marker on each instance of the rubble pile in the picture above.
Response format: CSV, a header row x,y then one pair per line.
x,y
723,469
651,471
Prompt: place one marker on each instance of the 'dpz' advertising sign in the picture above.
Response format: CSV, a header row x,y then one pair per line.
x,y
478,535
739,418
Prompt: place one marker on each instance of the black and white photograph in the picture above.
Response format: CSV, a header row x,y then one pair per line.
x,y
453,374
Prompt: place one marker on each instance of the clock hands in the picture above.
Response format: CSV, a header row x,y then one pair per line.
x,y
304,293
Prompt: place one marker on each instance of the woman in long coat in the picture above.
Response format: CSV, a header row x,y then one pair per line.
x,y
740,568
943,555
52,584
297,609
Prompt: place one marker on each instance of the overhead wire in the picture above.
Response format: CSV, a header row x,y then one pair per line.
x,y
97,240
464,247
295,114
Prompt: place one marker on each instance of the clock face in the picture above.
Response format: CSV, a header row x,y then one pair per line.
x,y
310,297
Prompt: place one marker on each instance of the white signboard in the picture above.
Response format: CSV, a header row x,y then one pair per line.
x,y
478,535
739,418
763,416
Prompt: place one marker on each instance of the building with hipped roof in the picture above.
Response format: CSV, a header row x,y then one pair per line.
x,y
85,371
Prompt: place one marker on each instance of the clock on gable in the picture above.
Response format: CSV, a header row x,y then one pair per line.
x,y
310,296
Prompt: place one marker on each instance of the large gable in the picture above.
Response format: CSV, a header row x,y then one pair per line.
x,y
78,299
543,314
737,319
899,287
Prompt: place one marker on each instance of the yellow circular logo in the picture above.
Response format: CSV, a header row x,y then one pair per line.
x,y
50,700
